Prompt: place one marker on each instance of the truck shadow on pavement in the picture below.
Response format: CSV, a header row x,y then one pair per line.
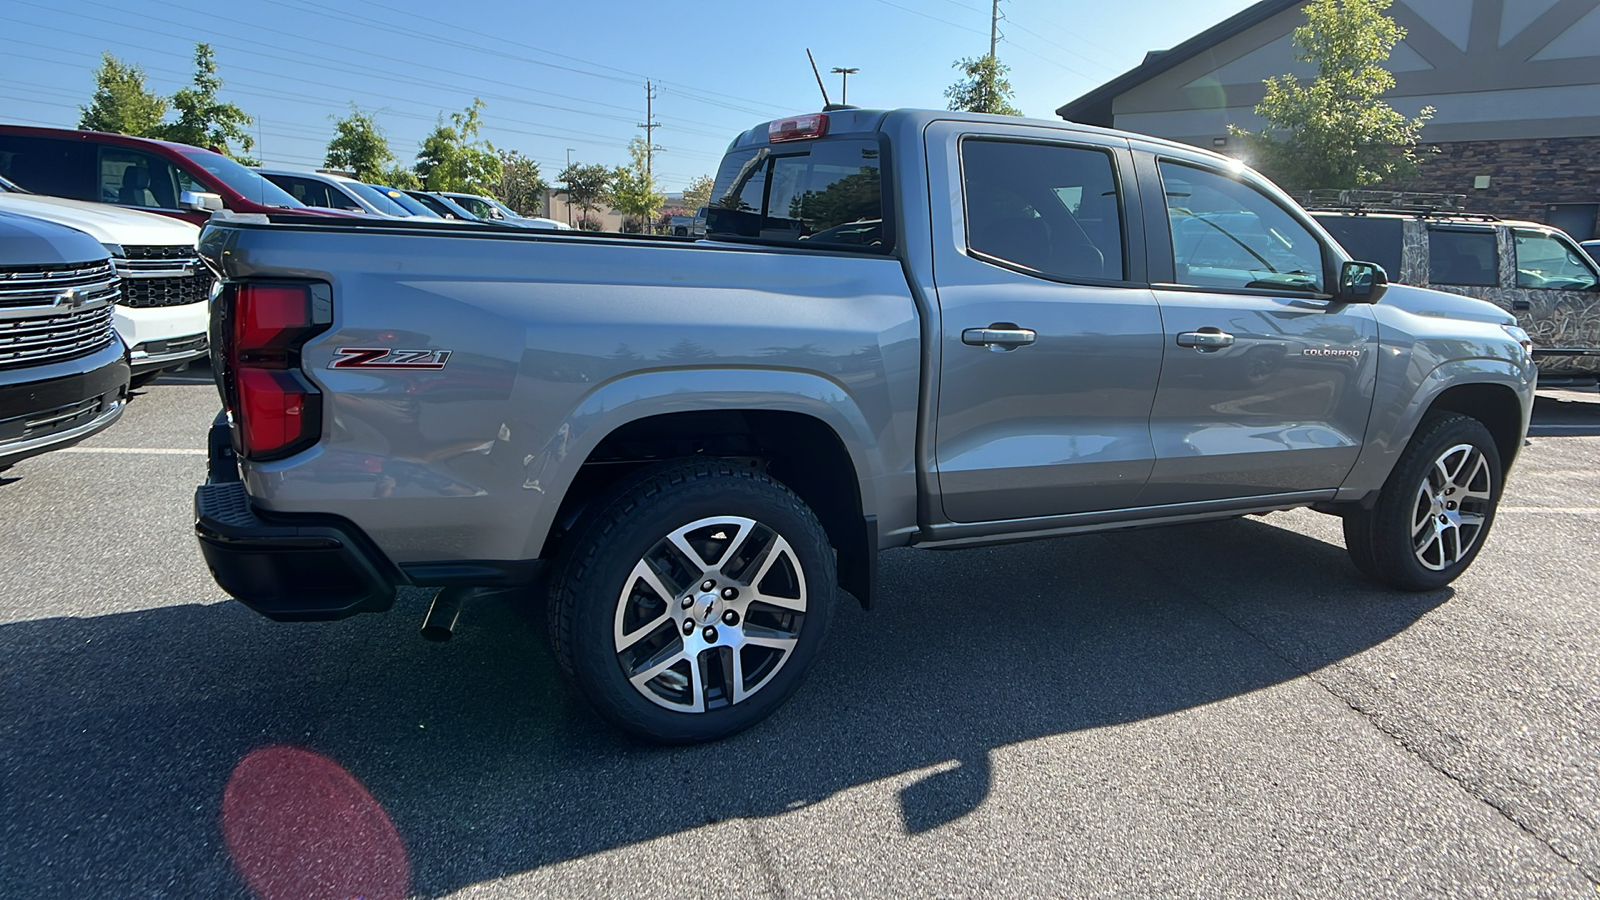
x,y
118,734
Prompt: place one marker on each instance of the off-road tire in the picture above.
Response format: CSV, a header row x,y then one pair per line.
x,y
598,563
1380,539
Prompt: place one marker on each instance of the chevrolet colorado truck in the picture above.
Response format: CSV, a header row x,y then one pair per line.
x,y
905,328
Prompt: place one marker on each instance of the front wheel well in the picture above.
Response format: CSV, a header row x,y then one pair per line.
x,y
799,450
1496,406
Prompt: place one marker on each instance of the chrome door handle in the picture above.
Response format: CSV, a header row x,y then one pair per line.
x,y
1009,338
1205,339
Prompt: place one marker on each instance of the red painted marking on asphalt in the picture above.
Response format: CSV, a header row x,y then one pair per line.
x,y
299,827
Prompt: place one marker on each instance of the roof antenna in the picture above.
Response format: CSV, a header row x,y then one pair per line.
x,y
826,103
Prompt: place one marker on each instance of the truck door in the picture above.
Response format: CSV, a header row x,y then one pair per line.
x,y
1265,388
1049,336
1557,300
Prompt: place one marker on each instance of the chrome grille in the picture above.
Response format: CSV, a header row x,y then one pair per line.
x,y
154,276
54,313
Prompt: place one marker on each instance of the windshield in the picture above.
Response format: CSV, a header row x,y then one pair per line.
x,y
376,197
477,206
250,185
407,202
505,209
820,192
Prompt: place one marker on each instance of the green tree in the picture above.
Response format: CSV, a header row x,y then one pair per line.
x,y
205,121
122,104
632,190
698,193
359,146
1335,132
397,175
454,158
985,89
587,186
521,186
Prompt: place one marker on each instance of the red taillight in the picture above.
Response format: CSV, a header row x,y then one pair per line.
x,y
798,128
277,410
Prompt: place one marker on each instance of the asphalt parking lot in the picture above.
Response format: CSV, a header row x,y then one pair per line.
x,y
1213,710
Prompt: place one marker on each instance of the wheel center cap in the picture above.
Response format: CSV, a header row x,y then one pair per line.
x,y
706,607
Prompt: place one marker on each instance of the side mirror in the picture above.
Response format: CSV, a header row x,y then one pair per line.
x,y
200,201
1361,282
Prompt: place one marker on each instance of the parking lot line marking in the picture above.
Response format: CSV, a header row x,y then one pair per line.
x,y
1580,510
154,451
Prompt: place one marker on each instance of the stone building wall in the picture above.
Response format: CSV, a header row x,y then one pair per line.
x,y
1525,176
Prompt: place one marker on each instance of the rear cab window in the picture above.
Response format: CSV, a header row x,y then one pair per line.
x,y
806,193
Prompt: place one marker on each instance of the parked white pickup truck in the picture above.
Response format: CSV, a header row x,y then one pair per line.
x,y
161,312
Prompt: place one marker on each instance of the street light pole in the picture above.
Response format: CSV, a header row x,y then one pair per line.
x,y
844,79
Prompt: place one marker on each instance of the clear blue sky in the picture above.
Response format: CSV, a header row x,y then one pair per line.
x,y
571,75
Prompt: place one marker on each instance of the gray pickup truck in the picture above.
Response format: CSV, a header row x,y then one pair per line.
x,y
905,328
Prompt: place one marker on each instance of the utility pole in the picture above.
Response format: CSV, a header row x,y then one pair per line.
x,y
649,125
844,84
994,27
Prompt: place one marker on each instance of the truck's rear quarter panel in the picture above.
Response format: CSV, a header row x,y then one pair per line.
x,y
553,343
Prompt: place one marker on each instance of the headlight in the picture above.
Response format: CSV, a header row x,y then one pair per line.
x,y
1520,336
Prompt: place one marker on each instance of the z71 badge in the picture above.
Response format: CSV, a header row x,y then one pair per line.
x,y
384,358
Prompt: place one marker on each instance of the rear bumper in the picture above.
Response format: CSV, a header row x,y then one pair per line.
x,y
48,407
289,568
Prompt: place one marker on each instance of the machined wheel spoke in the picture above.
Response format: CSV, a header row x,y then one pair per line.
x,y
774,641
658,665
1424,522
697,687
736,686
680,540
1471,520
1475,495
642,572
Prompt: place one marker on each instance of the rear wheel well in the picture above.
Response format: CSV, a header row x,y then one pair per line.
x,y
799,450
1496,406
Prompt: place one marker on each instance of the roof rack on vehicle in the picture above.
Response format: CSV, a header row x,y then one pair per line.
x,y
1416,203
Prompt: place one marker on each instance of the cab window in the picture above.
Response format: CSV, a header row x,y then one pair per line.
x,y
133,178
1545,261
1050,208
1227,234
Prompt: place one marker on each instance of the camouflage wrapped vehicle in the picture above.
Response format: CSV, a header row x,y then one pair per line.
x,y
1534,271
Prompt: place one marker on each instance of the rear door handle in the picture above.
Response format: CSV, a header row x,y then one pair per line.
x,y
1009,337
1205,339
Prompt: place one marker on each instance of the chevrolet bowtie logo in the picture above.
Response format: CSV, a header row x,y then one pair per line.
x,y
69,299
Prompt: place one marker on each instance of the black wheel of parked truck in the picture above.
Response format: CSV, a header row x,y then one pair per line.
x,y
690,605
1434,513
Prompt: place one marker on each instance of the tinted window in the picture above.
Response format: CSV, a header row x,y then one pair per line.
x,y
1045,207
1544,261
134,178
825,192
1227,234
1368,238
49,166
1467,258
